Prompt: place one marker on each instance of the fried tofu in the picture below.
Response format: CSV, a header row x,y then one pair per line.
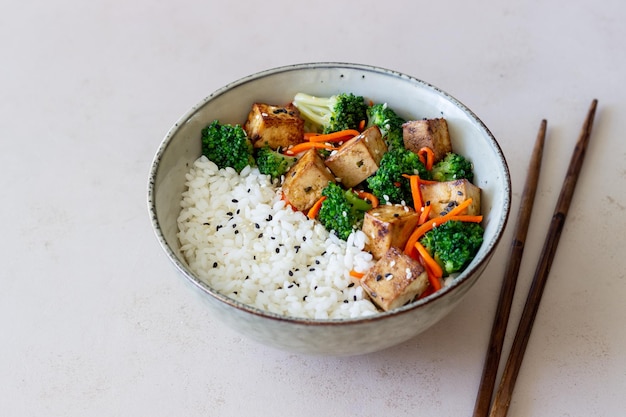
x,y
395,280
443,196
388,226
275,126
431,133
305,180
358,158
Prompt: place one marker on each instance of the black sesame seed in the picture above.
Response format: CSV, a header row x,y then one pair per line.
x,y
269,218
258,226
207,224
345,301
238,211
260,235
290,273
304,238
229,213
236,232
388,276
234,200
396,214
290,286
234,225
311,269
214,264
260,291
304,298
317,261
350,285
277,250
459,192
379,277
354,297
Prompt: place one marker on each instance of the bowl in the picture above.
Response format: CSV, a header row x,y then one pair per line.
x,y
410,97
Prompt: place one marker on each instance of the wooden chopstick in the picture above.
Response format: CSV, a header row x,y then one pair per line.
x,y
503,310
503,395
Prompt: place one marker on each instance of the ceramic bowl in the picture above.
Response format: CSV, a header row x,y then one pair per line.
x,y
405,94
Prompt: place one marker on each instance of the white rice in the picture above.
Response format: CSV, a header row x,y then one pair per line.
x,y
237,236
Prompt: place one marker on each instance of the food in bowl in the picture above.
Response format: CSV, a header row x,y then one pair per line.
x,y
329,207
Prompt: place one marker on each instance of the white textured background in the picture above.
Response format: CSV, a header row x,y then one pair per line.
x,y
95,322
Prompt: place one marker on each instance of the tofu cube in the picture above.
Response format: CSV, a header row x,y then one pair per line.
x,y
443,196
275,126
358,158
305,180
395,280
431,133
388,226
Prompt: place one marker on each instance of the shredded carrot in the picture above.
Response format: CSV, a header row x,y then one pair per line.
x,y
335,136
427,156
309,135
305,146
362,125
356,274
419,231
315,209
414,181
436,221
424,214
429,261
369,197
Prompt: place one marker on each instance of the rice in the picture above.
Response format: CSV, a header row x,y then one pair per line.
x,y
238,237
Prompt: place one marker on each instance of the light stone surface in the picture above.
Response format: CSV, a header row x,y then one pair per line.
x,y
96,322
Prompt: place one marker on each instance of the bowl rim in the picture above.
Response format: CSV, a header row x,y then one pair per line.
x,y
382,315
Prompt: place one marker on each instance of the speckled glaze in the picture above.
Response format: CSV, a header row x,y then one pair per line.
x,y
408,96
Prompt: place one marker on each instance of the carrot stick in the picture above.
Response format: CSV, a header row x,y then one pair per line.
x,y
335,136
364,195
423,228
424,215
429,261
356,274
315,209
362,125
305,146
414,181
427,156
436,221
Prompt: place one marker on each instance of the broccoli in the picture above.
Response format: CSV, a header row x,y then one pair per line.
x,y
331,114
389,123
388,184
227,146
273,163
453,167
342,211
453,244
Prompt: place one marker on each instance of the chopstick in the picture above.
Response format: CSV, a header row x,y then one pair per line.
x,y
502,399
503,310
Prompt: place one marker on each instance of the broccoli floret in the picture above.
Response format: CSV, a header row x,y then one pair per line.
x,y
227,146
388,183
453,244
453,167
273,163
389,123
331,114
342,211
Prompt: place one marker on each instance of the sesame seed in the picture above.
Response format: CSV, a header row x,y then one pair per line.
x,y
234,200
214,264
388,276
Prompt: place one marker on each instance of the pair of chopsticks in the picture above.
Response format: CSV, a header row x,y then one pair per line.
x,y
499,408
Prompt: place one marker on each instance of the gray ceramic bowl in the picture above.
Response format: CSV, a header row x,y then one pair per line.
x,y
408,96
